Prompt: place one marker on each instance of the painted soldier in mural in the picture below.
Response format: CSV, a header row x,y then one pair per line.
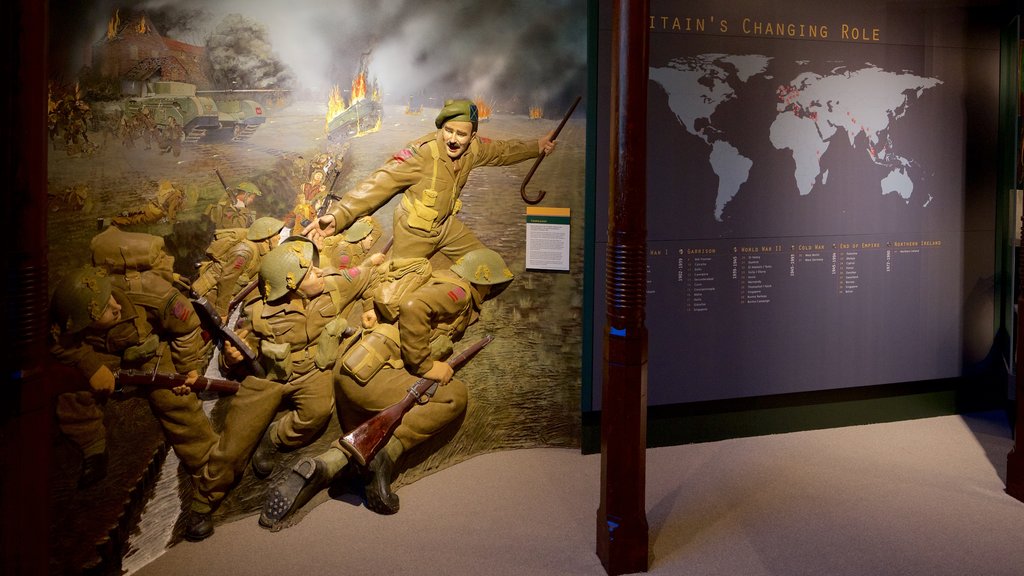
x,y
233,262
314,189
295,329
171,137
430,174
235,209
416,335
136,320
162,208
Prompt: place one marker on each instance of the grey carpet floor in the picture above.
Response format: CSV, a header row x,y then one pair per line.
x,y
921,497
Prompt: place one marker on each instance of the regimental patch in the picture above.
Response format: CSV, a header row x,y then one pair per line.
x,y
456,294
402,155
344,261
485,140
181,310
351,273
239,262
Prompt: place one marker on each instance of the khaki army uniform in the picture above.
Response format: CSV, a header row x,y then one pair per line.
x,y
234,263
169,199
430,183
430,319
158,328
297,344
226,214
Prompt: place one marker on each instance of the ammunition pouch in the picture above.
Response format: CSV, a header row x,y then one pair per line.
x,y
328,342
275,358
375,349
419,215
206,279
142,351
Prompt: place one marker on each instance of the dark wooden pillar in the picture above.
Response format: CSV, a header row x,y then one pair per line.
x,y
622,539
25,414
1015,460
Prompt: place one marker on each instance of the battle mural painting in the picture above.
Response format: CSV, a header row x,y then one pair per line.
x,y
172,124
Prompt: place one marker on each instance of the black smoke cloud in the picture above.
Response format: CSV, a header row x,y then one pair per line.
x,y
513,53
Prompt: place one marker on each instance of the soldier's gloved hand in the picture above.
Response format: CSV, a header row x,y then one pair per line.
x,y
440,372
102,381
186,388
231,354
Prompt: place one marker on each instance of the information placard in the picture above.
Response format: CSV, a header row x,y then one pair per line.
x,y
547,238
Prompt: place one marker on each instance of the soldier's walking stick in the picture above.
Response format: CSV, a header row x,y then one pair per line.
x,y
541,193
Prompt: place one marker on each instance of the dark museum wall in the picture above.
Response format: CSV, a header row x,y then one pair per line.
x,y
824,221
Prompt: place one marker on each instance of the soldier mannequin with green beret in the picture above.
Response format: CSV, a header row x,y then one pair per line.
x,y
430,174
295,329
430,318
137,320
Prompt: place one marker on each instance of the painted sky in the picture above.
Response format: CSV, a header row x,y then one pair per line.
x,y
531,52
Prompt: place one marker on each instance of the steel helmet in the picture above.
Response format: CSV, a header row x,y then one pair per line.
x,y
250,188
284,267
264,228
80,298
483,266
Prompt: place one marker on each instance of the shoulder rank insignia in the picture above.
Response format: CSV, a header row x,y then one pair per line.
x,y
456,294
403,155
181,310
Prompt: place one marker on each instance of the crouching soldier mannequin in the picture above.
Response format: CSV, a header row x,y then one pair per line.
x,y
353,246
379,370
295,329
103,323
234,261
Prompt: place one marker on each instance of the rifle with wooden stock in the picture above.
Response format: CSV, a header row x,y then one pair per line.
x,y
363,443
210,318
129,377
242,295
330,198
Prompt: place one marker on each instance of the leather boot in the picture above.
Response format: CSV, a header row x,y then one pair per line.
x,y
198,526
307,478
379,496
264,459
94,469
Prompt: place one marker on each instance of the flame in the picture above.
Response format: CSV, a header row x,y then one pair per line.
x,y
335,103
483,109
536,112
113,25
358,88
142,25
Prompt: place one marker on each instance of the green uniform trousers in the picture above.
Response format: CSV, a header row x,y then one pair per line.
x,y
252,409
356,403
185,425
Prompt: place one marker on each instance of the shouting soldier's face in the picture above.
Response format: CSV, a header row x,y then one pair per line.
x,y
456,136
111,315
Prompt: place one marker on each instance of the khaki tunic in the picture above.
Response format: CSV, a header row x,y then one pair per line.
x,y
228,271
304,338
431,185
444,307
151,310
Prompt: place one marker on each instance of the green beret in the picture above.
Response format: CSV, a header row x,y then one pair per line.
x,y
458,110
